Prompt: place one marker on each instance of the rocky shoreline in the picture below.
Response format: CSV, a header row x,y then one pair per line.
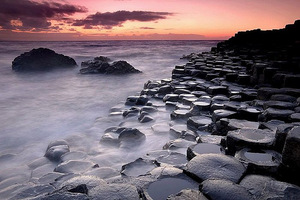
x,y
232,117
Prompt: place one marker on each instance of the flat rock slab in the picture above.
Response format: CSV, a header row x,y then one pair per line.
x,y
114,192
274,113
203,148
295,117
239,124
264,187
225,190
161,128
283,97
215,166
218,114
199,123
164,187
74,166
187,194
240,138
174,158
138,167
178,144
259,161
279,105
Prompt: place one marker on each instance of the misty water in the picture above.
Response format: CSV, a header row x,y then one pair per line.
x,y
37,108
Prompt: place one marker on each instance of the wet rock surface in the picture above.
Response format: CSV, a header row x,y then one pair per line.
x,y
41,59
240,99
224,189
215,166
271,188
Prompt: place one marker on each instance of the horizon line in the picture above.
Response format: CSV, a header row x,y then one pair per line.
x,y
108,40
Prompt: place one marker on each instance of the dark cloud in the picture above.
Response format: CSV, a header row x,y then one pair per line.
x,y
108,20
147,28
34,15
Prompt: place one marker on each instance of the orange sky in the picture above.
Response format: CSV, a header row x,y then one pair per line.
x,y
140,19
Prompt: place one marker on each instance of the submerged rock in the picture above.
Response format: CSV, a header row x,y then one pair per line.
x,y
166,186
41,59
122,136
138,167
56,149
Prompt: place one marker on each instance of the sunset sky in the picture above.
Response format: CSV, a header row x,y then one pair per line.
x,y
140,19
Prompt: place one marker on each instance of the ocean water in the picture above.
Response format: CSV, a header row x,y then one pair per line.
x,y
37,108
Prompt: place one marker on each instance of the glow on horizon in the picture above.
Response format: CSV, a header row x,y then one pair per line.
x,y
169,19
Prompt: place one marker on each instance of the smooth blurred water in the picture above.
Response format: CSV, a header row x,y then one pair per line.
x,y
36,108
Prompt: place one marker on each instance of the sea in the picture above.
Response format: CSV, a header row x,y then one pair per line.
x,y
37,108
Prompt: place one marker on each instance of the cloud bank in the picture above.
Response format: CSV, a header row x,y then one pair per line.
x,y
28,15
108,20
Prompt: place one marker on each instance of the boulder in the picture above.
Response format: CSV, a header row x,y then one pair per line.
x,y
215,166
100,65
56,149
41,59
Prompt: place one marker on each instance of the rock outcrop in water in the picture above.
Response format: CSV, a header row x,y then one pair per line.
x,y
101,65
41,59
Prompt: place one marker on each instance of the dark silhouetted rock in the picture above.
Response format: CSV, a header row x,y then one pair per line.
x,y
291,149
41,59
101,65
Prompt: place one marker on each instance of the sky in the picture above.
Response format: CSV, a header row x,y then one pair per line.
x,y
60,20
